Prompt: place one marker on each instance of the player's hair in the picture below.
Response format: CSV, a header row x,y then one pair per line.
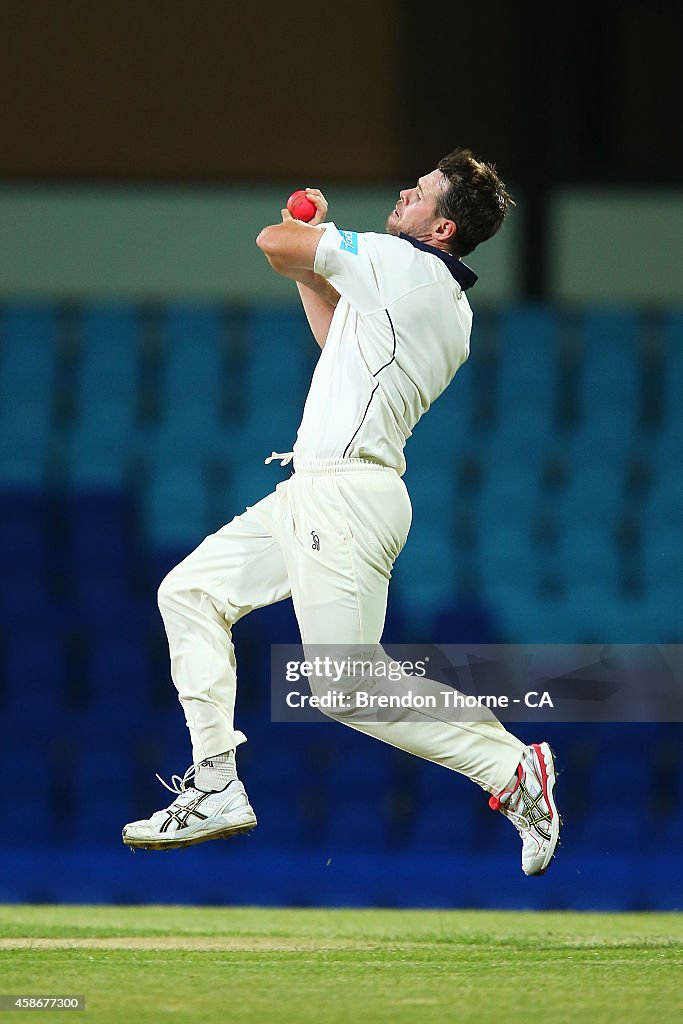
x,y
474,198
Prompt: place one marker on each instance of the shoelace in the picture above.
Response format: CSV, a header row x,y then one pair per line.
x,y
284,457
178,782
521,822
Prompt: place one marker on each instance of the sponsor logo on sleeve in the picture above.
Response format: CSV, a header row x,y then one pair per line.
x,y
349,241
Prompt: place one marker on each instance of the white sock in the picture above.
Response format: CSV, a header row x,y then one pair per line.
x,y
215,773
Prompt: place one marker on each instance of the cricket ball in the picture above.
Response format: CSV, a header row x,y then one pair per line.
x,y
300,206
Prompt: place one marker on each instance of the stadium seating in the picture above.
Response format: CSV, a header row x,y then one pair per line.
x,y
547,506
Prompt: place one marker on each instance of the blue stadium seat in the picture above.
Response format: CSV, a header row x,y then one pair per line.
x,y
507,556
672,374
527,618
249,481
664,509
118,670
103,790
192,371
425,572
355,824
444,826
24,543
524,436
25,597
663,557
510,494
594,496
447,808
430,489
35,668
468,619
278,341
101,442
610,368
527,353
362,768
442,432
597,613
176,506
28,353
607,435
25,442
101,448
588,555
109,370
656,618
100,531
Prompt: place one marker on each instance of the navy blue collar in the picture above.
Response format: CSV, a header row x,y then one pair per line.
x,y
459,270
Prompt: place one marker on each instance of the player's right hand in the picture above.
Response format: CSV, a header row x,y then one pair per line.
x,y
320,203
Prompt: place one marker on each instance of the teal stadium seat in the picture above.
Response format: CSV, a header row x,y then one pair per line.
x,y
509,493
588,554
610,348
525,386
28,372
664,506
192,380
593,495
425,572
102,441
26,435
609,388
507,556
280,350
28,352
176,505
444,433
279,357
528,341
666,451
192,370
663,557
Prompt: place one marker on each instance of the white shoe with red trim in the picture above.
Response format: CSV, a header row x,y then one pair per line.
x,y
193,817
529,803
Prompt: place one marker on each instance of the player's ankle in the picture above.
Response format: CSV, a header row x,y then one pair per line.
x,y
216,773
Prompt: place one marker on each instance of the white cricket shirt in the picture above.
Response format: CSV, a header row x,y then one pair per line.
x,y
400,331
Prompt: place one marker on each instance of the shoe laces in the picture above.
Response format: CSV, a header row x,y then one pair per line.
x,y
502,803
179,783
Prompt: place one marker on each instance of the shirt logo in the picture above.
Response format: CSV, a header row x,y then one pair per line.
x,y
349,241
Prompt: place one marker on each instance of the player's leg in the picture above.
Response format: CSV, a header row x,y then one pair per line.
x,y
340,599
233,571
339,588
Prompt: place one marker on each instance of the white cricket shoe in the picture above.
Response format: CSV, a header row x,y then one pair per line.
x,y
193,817
530,805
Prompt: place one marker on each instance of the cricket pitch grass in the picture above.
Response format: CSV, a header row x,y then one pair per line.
x,y
142,964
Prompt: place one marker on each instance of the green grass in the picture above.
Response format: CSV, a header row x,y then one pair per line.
x,y
144,964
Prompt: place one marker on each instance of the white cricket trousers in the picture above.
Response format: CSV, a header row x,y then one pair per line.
x,y
328,537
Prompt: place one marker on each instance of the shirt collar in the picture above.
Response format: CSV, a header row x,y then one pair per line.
x,y
465,277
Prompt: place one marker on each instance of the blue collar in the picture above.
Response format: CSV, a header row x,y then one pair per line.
x,y
465,277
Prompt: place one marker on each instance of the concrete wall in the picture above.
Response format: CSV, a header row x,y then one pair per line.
x,y
157,243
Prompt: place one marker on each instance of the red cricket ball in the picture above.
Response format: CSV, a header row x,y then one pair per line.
x,y
300,206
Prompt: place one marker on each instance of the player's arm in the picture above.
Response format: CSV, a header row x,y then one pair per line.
x,y
290,249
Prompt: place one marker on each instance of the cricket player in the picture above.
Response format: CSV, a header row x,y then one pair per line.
x,y
391,316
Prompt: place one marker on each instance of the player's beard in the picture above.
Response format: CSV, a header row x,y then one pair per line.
x,y
393,224
396,226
